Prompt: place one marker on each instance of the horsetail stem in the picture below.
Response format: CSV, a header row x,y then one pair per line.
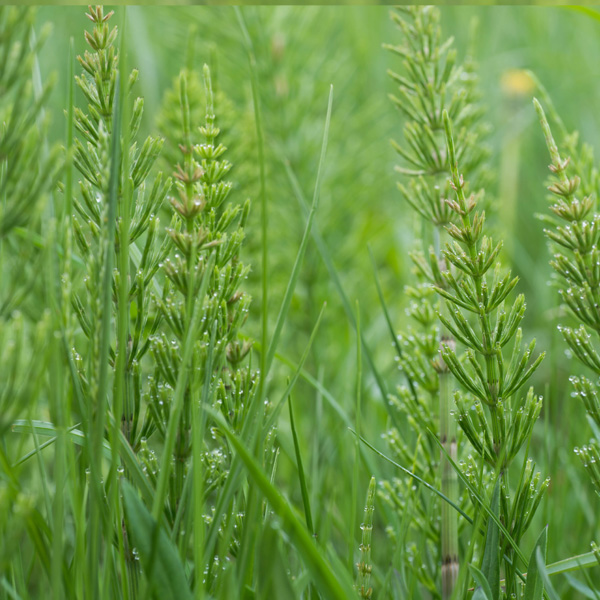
x,y
364,567
429,86
474,254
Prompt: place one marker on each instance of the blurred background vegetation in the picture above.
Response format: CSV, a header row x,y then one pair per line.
x,y
300,51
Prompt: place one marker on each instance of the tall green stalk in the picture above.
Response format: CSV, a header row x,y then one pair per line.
x,y
449,481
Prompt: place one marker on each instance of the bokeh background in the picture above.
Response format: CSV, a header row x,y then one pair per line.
x,y
300,52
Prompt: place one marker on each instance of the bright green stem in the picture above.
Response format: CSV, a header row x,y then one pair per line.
x,y
449,481
449,534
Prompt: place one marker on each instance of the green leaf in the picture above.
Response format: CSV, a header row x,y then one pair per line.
x,y
541,565
301,476
573,563
48,429
480,500
167,574
483,591
534,588
585,590
388,321
77,436
457,508
490,566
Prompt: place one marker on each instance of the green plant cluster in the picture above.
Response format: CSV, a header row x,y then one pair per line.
x,y
145,447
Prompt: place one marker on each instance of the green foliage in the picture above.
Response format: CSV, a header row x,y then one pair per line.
x,y
145,447
468,278
137,225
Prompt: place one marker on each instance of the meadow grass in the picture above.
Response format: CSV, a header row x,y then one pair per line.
x,y
146,447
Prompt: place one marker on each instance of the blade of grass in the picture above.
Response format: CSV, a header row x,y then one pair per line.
x,y
534,587
335,405
490,566
249,430
416,478
590,590
481,502
287,299
45,428
301,476
178,397
77,436
97,422
574,563
165,570
119,403
541,565
292,382
483,591
198,431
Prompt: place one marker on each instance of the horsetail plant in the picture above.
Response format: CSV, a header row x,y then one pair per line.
x,y
136,223
203,269
431,83
574,232
116,224
494,417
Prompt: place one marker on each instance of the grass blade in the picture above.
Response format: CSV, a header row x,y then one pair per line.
x,y
541,565
417,478
388,321
573,563
483,590
301,477
534,588
44,428
291,286
264,215
178,396
297,371
167,574
481,502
